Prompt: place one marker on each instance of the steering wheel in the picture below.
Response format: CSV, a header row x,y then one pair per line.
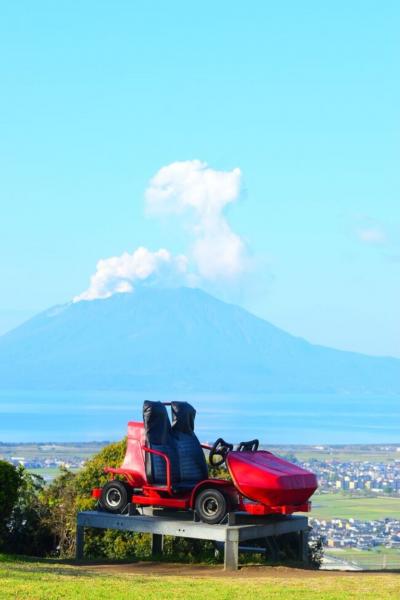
x,y
220,448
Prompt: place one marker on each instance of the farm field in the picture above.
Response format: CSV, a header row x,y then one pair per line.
x,y
376,558
329,506
83,450
341,453
47,580
49,473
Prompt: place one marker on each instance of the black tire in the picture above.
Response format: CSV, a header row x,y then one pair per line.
x,y
114,496
211,506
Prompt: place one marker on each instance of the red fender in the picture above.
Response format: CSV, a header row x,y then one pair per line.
x,y
224,485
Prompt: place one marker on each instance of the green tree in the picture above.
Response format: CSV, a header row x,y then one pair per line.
x,y
10,480
92,475
59,500
28,532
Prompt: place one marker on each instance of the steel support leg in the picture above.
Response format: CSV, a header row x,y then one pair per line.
x,y
272,548
80,539
231,554
303,546
157,543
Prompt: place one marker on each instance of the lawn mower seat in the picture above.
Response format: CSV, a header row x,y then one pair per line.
x,y
159,437
192,462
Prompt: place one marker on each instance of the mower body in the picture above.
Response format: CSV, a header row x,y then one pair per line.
x,y
165,467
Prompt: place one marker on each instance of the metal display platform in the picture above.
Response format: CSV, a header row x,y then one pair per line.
x,y
239,528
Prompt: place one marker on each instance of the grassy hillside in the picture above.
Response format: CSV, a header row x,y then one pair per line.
x,y
47,580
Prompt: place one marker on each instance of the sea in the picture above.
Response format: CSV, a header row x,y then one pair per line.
x,y
66,416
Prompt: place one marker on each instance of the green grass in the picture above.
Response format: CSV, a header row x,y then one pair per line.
x,y
329,506
47,580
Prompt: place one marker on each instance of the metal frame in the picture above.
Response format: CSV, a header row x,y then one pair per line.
x,y
239,529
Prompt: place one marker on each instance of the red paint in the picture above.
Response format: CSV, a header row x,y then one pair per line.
x,y
178,503
133,465
256,508
273,481
96,493
167,487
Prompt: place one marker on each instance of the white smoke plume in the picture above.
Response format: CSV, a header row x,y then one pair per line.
x,y
193,186
187,188
118,274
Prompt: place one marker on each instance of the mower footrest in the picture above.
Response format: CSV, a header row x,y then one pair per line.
x,y
255,508
156,501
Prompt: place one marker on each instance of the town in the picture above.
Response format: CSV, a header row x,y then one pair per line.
x,y
53,463
353,533
368,476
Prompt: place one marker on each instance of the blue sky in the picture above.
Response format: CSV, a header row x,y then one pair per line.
x,y
303,97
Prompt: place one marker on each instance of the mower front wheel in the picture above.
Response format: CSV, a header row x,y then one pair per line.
x,y
114,496
211,506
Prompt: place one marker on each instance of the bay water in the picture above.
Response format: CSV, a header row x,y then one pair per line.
x,y
64,416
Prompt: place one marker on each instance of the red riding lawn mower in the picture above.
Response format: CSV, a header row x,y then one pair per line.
x,y
165,467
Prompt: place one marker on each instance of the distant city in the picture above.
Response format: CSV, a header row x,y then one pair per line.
x,y
368,476
360,535
47,463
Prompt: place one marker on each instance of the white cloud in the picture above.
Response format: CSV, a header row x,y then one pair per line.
x,y
118,274
372,235
216,252
192,186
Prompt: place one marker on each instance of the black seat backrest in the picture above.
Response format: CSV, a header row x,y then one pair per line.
x,y
192,462
159,437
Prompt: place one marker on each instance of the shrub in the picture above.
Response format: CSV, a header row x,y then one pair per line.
x,y
10,480
59,498
316,553
92,475
28,531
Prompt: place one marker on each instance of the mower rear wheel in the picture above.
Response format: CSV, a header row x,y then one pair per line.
x,y
211,506
114,496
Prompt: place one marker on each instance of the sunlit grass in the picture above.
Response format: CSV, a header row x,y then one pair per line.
x,y
46,580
